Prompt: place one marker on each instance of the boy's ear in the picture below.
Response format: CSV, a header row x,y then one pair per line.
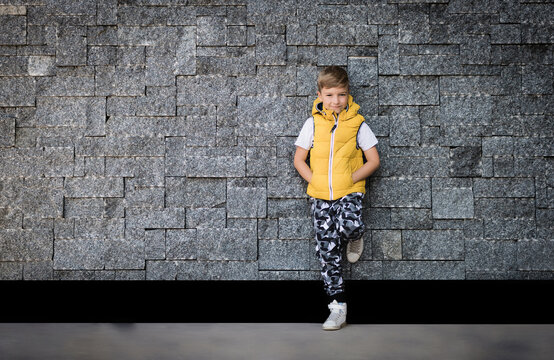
x,y
319,96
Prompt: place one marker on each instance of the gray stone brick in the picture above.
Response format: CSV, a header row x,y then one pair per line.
x,y
12,30
387,244
296,228
332,55
211,31
400,192
181,244
408,90
467,110
205,90
510,229
498,188
271,50
429,65
363,71
246,198
226,244
284,187
147,218
204,193
367,270
200,130
275,116
281,208
405,131
453,203
536,79
388,55
120,80
268,229
413,23
124,254
159,101
261,161
284,255
120,146
423,270
433,245
347,35
94,187
26,244
17,91
206,218
154,244
301,34
411,218
79,254
7,131
236,35
11,271
41,270
215,162
535,255
487,255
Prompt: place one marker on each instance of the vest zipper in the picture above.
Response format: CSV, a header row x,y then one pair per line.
x,y
331,156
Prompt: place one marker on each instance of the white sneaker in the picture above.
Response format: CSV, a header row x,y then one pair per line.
x,y
354,250
337,318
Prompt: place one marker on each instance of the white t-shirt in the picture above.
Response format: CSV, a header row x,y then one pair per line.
x,y
366,138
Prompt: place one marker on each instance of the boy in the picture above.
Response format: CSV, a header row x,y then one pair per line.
x,y
336,137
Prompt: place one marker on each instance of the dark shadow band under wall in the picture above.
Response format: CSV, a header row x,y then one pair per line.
x,y
370,302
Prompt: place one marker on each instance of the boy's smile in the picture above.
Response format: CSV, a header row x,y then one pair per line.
x,y
335,98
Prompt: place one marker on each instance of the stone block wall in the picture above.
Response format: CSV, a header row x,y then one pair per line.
x,y
153,139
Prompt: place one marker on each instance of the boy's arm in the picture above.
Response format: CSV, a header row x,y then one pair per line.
x,y
300,163
372,164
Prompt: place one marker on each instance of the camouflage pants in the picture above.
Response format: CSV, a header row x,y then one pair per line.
x,y
335,223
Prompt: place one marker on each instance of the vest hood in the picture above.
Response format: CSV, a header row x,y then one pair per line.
x,y
348,113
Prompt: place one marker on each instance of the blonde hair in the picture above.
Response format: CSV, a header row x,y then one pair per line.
x,y
332,76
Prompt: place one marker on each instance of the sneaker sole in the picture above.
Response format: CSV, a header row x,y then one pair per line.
x,y
335,327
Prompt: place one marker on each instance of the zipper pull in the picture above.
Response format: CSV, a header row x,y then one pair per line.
x,y
334,127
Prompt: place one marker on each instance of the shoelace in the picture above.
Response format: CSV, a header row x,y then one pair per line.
x,y
355,245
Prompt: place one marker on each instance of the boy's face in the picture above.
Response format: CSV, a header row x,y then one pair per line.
x,y
335,98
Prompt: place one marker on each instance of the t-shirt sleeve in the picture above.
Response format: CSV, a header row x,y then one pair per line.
x,y
366,137
306,136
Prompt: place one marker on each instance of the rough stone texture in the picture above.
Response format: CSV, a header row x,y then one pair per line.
x,y
154,139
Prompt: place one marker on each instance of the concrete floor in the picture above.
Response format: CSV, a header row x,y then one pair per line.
x,y
47,341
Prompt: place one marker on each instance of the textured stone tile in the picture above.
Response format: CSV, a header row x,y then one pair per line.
x,y
146,218
226,244
408,90
487,255
453,203
181,244
271,50
363,71
205,89
79,254
26,244
347,35
246,198
509,229
94,187
400,192
411,218
498,188
284,255
124,254
154,244
387,244
433,245
215,162
535,254
423,270
296,228
17,91
12,29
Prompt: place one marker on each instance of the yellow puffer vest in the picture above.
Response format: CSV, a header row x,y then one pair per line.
x,y
335,154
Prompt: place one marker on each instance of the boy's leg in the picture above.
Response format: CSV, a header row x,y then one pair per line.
x,y
328,248
349,218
